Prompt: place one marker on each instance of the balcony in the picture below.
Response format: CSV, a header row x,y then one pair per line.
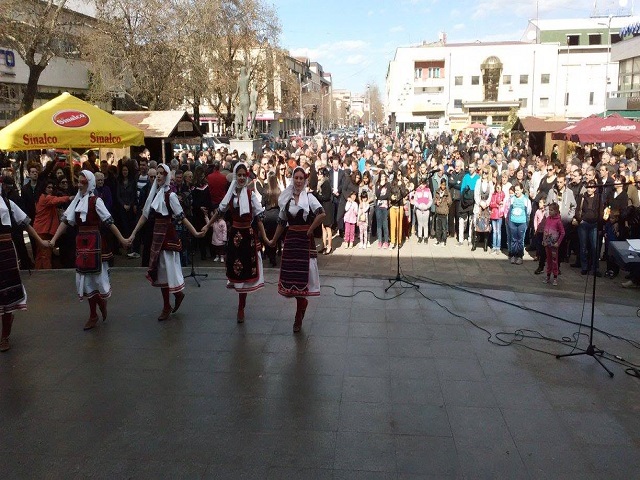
x,y
429,82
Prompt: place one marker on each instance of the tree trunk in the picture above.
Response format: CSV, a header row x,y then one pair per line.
x,y
32,88
196,109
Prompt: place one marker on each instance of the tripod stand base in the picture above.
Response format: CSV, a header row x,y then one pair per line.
x,y
401,280
592,351
195,276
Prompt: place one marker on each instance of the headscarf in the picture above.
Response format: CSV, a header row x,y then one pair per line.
x,y
155,199
80,203
287,194
243,198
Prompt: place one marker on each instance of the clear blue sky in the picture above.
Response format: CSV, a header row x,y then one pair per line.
x,y
355,40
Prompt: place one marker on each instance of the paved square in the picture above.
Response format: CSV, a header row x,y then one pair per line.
x,y
392,389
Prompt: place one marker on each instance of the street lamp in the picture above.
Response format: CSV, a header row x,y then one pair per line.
x,y
322,109
301,109
369,103
606,70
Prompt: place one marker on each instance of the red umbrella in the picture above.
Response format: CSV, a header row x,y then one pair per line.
x,y
612,129
475,126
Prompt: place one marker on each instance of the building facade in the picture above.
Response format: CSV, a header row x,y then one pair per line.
x,y
562,68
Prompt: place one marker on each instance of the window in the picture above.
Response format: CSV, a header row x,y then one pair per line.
x,y
458,80
457,103
591,98
544,102
475,80
524,79
434,72
573,40
595,39
506,79
523,102
544,78
418,73
566,99
615,38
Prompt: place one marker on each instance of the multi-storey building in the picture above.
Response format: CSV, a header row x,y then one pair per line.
x,y
66,73
560,68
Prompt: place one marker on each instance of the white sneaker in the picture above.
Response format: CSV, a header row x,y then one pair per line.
x,y
215,259
368,245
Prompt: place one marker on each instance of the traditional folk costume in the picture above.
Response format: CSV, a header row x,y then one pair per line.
x,y
244,257
92,253
299,275
13,296
165,269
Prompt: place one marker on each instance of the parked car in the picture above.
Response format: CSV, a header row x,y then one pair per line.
x,y
215,143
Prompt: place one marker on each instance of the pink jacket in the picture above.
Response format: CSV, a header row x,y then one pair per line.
x,y
553,231
351,212
497,210
422,198
219,233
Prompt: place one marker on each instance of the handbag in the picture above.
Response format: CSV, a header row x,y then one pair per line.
x,y
483,221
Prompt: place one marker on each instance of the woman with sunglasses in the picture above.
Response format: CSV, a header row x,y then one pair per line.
x,y
87,212
281,176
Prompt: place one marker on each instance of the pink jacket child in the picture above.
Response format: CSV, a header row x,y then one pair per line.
x,y
497,210
553,231
422,198
351,212
219,233
539,220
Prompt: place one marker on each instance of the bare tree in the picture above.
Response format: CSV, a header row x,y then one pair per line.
x,y
37,30
246,34
376,106
137,51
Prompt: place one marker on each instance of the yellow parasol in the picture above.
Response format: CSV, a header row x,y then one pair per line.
x,y
66,121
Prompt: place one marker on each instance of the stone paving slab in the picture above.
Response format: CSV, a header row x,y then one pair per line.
x,y
393,386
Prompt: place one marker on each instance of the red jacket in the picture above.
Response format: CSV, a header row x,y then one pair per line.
x,y
217,186
47,220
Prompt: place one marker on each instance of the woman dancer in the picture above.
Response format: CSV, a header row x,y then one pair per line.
x,y
303,213
92,253
165,270
244,259
13,295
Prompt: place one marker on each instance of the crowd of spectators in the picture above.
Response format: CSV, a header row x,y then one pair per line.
x,y
470,190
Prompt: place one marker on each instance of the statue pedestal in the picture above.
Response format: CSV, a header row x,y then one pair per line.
x,y
246,146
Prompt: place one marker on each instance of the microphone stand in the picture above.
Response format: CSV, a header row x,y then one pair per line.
x,y
592,350
191,253
400,278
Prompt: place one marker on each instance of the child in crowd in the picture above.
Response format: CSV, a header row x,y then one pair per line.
x,y
539,220
551,239
443,203
218,238
497,213
363,219
350,219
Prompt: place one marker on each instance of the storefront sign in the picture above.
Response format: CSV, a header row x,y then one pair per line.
x,y
7,58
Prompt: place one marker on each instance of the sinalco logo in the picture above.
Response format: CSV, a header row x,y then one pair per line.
x,y
71,118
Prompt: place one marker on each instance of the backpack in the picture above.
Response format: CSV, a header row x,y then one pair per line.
x,y
466,199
